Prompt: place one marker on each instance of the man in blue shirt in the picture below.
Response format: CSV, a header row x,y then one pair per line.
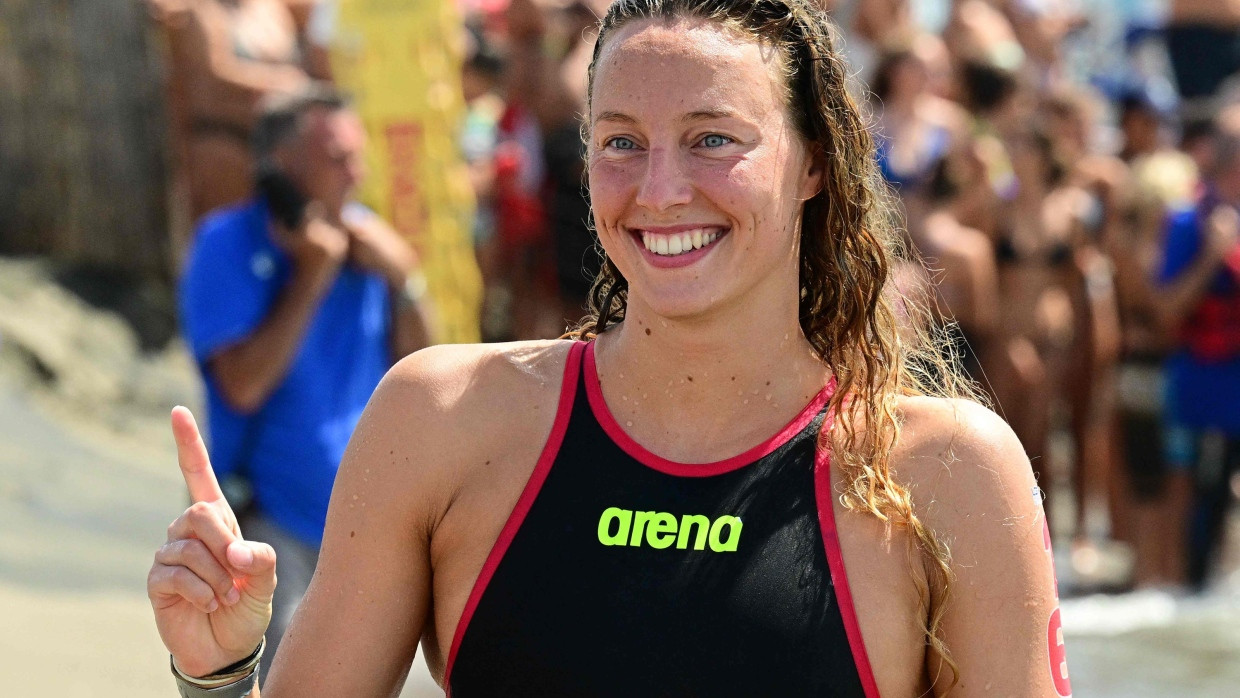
x,y
1200,276
295,304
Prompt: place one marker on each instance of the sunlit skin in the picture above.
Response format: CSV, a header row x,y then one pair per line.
x,y
688,129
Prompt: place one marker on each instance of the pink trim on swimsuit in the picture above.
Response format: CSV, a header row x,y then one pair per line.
x,y
568,393
594,392
835,559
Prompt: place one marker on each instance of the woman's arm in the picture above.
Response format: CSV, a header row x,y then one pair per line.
x,y
426,436
978,494
357,630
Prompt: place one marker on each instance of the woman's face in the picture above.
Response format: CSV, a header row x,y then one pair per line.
x,y
696,175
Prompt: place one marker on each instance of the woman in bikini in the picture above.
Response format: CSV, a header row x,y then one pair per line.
x,y
226,56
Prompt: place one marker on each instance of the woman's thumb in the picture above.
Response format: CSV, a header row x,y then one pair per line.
x,y
257,563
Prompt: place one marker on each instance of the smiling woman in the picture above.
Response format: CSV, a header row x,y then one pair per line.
x,y
737,477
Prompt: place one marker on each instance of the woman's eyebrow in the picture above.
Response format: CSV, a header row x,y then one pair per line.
x,y
698,115
615,116
708,114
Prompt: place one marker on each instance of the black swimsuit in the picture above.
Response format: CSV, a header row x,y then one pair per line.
x,y
620,573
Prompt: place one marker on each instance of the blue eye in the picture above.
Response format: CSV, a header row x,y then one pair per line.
x,y
621,143
715,140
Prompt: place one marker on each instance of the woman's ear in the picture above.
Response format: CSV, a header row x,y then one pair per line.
x,y
815,172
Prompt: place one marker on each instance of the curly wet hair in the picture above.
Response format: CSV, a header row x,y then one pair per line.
x,y
880,340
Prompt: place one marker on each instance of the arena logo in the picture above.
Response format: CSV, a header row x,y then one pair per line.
x,y
660,530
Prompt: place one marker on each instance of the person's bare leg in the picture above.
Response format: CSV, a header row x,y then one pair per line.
x,y
1173,528
1023,397
1149,541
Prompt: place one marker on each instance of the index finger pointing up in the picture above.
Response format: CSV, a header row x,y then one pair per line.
x,y
192,455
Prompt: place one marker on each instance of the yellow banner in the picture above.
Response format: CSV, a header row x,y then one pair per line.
x,y
401,60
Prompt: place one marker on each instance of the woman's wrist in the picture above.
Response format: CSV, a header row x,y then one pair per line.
x,y
239,676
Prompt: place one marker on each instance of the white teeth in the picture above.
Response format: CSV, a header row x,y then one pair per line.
x,y
668,245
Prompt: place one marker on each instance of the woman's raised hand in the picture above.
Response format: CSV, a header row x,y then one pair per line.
x,y
210,588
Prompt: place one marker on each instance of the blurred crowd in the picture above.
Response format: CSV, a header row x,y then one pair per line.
x,y
1068,172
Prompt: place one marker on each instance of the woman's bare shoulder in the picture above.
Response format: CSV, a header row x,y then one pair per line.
x,y
443,405
964,466
450,373
468,383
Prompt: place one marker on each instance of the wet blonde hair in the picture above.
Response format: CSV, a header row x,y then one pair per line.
x,y
880,342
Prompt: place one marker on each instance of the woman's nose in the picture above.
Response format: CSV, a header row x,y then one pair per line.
x,y
664,184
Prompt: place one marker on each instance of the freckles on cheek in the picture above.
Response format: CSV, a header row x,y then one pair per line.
x,y
604,199
609,183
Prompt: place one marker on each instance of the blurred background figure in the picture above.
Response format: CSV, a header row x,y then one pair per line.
x,y
1163,179
547,259
295,303
225,56
1200,299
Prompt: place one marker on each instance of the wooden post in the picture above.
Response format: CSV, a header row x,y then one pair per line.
x,y
83,164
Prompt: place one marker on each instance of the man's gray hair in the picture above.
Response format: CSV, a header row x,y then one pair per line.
x,y
281,116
